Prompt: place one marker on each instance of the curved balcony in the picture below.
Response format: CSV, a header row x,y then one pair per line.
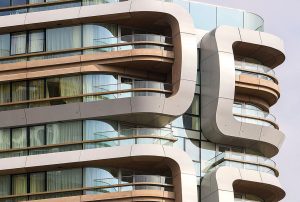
x,y
242,161
253,115
85,182
98,139
255,70
106,44
93,90
255,80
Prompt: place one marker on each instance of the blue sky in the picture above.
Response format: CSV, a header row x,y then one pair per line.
x,y
282,18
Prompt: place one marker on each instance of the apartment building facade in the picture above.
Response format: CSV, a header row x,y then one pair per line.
x,y
138,100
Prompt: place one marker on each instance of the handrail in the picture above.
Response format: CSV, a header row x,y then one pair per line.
x,y
247,112
274,124
118,44
241,158
89,189
259,70
137,133
119,90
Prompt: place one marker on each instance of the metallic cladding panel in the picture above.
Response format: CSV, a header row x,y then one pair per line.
x,y
218,86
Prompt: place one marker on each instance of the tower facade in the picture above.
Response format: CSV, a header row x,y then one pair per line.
x,y
137,100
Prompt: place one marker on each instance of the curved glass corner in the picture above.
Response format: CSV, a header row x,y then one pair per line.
x,y
208,17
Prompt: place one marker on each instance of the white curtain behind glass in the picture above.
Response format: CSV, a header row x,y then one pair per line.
x,y
36,41
65,179
64,132
19,139
4,139
4,93
18,43
63,38
37,182
19,184
5,185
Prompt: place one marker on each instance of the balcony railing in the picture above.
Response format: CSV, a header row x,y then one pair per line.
x,y
255,70
253,116
100,139
108,44
103,92
242,161
108,185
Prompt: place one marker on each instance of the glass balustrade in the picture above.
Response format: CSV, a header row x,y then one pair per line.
x,y
54,49
255,70
77,135
253,115
80,181
206,16
242,161
85,88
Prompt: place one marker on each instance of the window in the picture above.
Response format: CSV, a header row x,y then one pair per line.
x,y
206,16
4,45
192,147
231,17
36,41
37,182
64,179
18,2
58,133
195,107
97,130
63,38
19,184
18,43
187,122
99,83
4,3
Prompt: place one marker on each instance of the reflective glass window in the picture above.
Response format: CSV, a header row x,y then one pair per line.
x,y
192,147
183,3
97,130
205,16
231,17
18,43
253,22
4,45
97,84
208,152
19,91
188,122
63,38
